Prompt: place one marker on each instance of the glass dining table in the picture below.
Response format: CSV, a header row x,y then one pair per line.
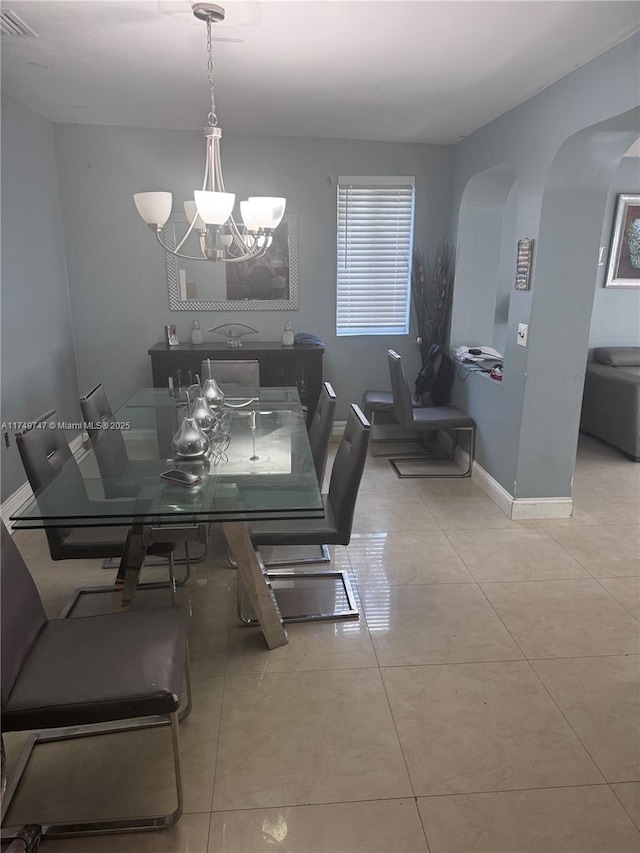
x,y
258,467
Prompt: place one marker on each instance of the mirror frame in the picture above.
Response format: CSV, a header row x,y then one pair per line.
x,y
177,304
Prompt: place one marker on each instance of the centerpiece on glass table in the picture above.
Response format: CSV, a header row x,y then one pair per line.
x,y
190,442
212,391
201,412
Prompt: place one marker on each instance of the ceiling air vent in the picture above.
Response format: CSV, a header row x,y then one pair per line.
x,y
12,25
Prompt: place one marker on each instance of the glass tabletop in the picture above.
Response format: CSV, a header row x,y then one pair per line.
x,y
259,466
163,398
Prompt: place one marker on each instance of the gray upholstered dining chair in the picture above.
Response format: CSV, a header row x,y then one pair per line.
x,y
119,473
339,507
320,431
45,454
425,419
90,675
236,377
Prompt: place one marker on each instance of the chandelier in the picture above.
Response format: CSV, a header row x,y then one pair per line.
x,y
209,213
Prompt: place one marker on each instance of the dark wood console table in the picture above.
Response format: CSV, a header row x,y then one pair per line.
x,y
279,366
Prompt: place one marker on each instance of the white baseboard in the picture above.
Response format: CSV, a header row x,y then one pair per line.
x,y
518,509
542,508
13,503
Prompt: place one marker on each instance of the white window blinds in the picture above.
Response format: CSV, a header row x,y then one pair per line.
x,y
375,236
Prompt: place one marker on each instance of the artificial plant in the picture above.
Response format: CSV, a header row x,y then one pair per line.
x,y
431,293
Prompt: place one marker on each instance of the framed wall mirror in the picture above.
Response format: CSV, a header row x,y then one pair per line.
x,y
269,283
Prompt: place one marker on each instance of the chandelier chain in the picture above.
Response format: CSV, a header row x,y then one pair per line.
x,y
212,118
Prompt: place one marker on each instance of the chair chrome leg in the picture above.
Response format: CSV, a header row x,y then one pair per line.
x,y
172,579
99,827
184,713
317,616
322,557
187,562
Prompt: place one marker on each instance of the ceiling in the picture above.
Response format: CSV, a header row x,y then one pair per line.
x,y
399,71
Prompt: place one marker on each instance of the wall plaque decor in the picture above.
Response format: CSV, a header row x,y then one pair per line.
x,y
523,263
624,257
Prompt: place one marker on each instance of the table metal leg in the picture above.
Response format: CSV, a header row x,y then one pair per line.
x,y
252,576
130,566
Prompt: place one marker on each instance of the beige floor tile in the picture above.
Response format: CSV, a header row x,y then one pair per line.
x,y
20,536
189,835
626,591
518,554
482,727
554,820
600,697
592,509
629,795
611,550
384,826
437,490
312,645
121,775
564,618
406,558
434,623
54,607
310,723
470,514
307,737
126,773
381,511
208,644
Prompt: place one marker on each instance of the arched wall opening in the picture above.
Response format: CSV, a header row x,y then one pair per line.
x,y
484,263
615,320
564,280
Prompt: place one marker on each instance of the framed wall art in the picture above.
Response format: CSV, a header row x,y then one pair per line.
x,y
624,255
269,283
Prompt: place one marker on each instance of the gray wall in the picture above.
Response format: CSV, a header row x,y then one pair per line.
x,y
616,311
528,425
117,271
38,363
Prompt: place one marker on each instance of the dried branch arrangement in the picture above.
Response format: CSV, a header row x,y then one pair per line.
x,y
431,291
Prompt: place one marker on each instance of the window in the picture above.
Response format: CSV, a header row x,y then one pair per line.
x,y
375,237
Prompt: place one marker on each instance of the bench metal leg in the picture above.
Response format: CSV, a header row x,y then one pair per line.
x,y
423,458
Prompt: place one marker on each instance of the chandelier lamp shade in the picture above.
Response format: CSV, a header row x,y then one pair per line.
x,y
210,211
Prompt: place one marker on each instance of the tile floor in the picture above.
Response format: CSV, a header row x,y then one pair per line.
x,y
486,701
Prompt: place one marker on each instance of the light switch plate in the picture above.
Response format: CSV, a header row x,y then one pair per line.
x,y
523,334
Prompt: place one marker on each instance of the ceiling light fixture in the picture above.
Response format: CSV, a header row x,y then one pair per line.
x,y
210,211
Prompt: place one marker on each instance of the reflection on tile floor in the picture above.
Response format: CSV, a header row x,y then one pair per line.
x,y
486,701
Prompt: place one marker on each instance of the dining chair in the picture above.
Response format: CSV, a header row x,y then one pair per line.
x,y
423,419
69,678
45,454
321,429
320,432
385,429
339,508
236,377
120,475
